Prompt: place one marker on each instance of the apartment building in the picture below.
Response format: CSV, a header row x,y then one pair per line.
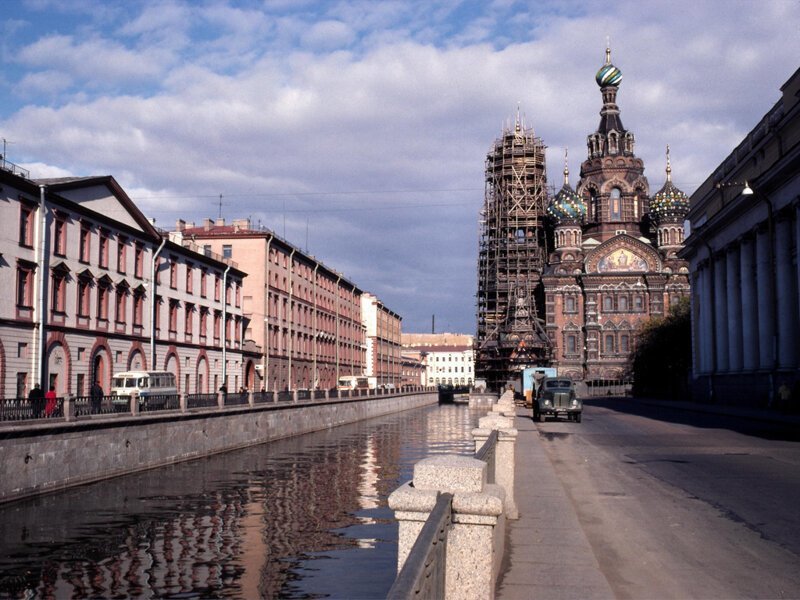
x,y
383,341
305,316
91,287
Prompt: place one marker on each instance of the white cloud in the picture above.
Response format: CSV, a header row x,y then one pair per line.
x,y
410,103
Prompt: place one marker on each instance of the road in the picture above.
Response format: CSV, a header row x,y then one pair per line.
x,y
682,505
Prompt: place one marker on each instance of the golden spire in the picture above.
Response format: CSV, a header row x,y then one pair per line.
x,y
669,167
566,167
608,50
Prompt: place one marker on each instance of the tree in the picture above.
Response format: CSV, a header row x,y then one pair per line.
x,y
662,358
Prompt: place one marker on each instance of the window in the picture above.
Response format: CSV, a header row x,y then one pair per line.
x,y
122,244
173,274
609,343
173,316
59,299
570,306
84,289
25,226
189,278
572,344
203,283
217,318
203,323
239,296
121,304
138,308
216,287
24,286
60,237
227,251
188,320
103,258
207,249
159,301
608,303
623,303
138,260
615,205
624,343
102,301
86,245
638,303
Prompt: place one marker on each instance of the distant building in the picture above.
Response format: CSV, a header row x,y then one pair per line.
x,y
743,252
383,335
449,358
92,288
306,317
412,368
614,263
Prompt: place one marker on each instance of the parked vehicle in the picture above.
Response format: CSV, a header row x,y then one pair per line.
x,y
532,378
357,382
151,387
556,397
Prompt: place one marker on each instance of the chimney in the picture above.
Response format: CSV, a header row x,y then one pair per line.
x,y
208,224
241,224
220,222
180,225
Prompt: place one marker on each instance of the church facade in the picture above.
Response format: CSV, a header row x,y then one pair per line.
x,y
614,262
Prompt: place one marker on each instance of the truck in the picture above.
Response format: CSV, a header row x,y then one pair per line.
x,y
531,379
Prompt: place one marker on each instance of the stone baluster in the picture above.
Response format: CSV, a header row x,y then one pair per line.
x,y
184,402
69,408
505,405
504,455
221,400
475,540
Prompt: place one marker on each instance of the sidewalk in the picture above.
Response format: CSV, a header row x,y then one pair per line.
x,y
547,553
744,412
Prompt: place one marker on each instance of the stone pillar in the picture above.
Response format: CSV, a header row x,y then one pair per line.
x,y
251,399
135,404
504,455
705,338
734,310
221,400
294,396
477,534
505,405
69,408
720,309
786,296
749,306
766,303
327,394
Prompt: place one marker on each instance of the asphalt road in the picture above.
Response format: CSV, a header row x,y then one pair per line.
x,y
682,505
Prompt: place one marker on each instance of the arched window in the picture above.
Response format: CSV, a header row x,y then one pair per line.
x,y
615,205
608,303
609,345
624,343
623,303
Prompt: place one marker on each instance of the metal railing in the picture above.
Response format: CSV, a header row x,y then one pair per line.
x,y
24,410
486,453
423,573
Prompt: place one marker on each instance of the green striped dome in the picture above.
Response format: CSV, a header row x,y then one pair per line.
x,y
608,75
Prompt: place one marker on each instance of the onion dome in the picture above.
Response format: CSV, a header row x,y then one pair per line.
x,y
669,203
608,73
567,206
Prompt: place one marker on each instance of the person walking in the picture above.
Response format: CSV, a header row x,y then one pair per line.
x,y
96,397
51,402
36,400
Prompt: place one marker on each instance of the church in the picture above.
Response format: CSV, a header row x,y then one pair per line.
x,y
614,260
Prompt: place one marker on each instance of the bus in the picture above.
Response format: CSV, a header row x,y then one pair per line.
x,y
152,388
357,382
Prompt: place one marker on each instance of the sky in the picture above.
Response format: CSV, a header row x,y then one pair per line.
x,y
358,130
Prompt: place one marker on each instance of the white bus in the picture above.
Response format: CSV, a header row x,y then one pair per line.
x,y
357,382
153,385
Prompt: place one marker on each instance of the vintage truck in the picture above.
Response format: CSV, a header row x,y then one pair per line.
x,y
556,397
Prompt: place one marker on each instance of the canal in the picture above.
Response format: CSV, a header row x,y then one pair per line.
x,y
304,517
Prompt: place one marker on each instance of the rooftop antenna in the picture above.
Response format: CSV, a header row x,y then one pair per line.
x,y
220,206
3,156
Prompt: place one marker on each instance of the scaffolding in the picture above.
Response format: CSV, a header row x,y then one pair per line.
x,y
512,251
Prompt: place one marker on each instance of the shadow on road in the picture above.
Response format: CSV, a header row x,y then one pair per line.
x,y
770,425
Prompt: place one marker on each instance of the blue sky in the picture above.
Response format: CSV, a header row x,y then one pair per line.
x,y
359,129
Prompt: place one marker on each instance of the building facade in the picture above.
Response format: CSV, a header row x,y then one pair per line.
x,y
449,358
383,329
614,263
743,252
306,317
92,288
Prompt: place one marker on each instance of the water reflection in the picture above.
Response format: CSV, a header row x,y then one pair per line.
x,y
304,517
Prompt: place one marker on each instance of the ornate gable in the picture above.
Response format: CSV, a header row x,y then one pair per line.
x,y
623,254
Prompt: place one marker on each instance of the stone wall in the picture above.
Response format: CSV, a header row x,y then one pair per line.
x,y
47,457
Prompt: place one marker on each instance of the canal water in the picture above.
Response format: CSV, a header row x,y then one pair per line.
x,y
304,517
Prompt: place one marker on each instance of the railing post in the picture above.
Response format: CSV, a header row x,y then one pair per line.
x,y
505,405
134,404
251,399
221,400
475,541
184,402
294,396
504,455
69,408
327,394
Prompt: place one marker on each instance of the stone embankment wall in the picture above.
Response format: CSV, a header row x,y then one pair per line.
x,y
46,457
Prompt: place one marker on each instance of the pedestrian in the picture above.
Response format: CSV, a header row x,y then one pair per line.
x,y
785,396
36,400
96,397
50,399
